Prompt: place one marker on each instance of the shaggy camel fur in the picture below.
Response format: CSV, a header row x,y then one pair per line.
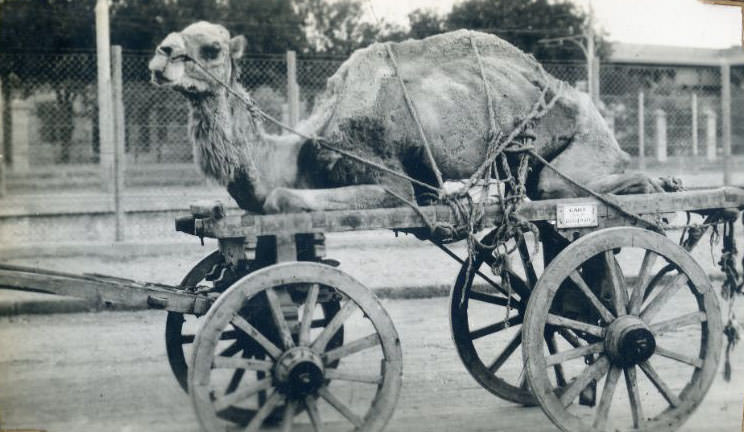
x,y
363,110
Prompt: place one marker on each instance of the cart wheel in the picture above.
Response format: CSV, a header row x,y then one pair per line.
x,y
180,329
353,386
489,350
673,336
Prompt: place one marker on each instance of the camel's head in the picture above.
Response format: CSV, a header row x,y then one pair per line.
x,y
178,58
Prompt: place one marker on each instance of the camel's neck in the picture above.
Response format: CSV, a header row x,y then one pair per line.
x,y
233,149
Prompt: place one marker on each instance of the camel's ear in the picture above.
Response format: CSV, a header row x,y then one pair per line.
x,y
237,46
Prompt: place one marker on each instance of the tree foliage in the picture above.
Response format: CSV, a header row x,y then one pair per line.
x,y
331,27
339,27
524,23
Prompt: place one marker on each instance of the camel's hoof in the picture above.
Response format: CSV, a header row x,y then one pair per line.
x,y
672,184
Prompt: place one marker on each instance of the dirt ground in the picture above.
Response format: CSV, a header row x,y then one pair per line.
x,y
108,372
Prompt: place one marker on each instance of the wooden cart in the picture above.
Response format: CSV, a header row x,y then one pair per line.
x,y
264,329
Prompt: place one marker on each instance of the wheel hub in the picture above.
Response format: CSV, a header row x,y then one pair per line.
x,y
629,341
299,372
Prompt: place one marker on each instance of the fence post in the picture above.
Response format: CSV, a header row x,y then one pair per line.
x,y
596,77
710,133
2,142
21,113
661,135
641,132
7,123
105,104
293,90
2,176
694,107
726,120
119,138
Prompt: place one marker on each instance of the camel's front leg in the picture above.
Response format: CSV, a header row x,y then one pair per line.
x,y
600,171
618,184
285,200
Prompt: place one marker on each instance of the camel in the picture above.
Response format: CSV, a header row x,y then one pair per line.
x,y
363,110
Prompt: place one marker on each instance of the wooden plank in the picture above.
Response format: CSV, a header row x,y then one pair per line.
x,y
119,140
102,292
250,225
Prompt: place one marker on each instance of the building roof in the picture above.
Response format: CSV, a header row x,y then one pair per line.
x,y
674,55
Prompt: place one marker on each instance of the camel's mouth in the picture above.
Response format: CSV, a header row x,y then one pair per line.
x,y
159,79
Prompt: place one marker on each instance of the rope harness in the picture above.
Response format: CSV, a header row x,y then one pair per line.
x,y
732,285
468,214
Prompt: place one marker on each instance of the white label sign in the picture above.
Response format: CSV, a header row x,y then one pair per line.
x,y
576,215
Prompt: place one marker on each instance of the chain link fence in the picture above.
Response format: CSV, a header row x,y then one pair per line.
x,y
50,124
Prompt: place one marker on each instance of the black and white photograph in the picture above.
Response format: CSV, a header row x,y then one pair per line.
x,y
371,215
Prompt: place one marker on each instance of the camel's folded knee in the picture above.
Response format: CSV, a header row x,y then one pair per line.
x,y
284,200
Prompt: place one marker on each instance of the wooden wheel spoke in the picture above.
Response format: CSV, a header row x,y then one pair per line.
x,y
590,373
474,270
251,331
278,315
235,380
644,276
327,333
319,323
691,318
229,335
634,397
524,255
560,378
221,362
605,313
690,360
312,412
490,298
603,409
583,350
265,410
523,378
288,415
335,374
508,351
231,349
560,321
241,394
496,327
660,384
350,348
340,406
307,314
569,336
619,294
655,305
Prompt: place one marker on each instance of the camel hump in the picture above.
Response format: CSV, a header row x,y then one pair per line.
x,y
442,66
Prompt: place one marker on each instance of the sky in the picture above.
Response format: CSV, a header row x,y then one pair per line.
x,y
658,22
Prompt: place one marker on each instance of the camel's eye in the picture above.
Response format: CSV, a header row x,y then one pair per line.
x,y
210,51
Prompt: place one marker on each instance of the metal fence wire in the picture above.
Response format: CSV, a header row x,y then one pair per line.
x,y
49,109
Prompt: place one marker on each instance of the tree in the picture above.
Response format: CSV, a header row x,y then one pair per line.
x,y
268,26
524,23
50,26
424,23
338,28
